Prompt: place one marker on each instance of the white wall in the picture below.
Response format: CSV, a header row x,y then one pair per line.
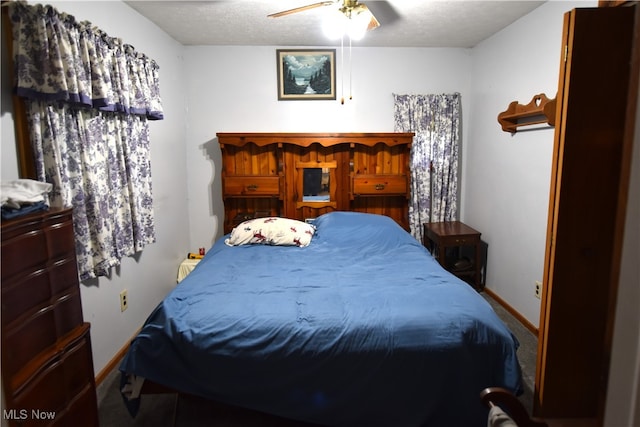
x,y
506,177
149,276
234,89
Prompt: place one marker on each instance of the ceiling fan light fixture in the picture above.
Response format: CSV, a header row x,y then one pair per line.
x,y
358,24
353,24
334,25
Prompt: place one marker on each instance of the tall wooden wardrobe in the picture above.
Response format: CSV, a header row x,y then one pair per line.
x,y
597,83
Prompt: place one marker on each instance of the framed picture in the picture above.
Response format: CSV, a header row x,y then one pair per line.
x,y
306,74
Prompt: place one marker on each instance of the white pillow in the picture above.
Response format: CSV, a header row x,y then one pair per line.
x,y
272,231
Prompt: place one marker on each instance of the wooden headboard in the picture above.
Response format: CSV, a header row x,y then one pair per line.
x,y
263,174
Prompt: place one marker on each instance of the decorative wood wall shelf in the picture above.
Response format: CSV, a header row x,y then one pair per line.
x,y
540,110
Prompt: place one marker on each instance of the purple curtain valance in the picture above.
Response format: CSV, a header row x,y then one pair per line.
x,y
57,59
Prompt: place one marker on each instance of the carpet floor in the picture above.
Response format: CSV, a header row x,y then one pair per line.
x,y
170,410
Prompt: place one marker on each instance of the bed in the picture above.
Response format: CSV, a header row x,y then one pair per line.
x,y
356,326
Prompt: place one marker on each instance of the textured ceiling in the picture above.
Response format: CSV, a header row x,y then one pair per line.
x,y
404,23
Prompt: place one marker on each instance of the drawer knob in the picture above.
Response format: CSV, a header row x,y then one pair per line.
x,y
379,186
252,187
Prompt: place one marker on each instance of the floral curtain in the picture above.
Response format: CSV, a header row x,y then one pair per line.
x,y
435,119
88,100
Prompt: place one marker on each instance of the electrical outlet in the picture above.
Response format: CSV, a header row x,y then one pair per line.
x,y
538,288
124,302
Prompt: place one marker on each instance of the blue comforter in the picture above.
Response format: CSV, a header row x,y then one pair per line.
x,y
360,328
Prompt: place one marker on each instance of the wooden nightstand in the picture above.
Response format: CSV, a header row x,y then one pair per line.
x,y
438,236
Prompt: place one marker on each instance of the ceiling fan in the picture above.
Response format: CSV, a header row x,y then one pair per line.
x,y
351,9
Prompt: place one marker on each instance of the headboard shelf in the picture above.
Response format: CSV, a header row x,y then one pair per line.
x,y
304,175
324,139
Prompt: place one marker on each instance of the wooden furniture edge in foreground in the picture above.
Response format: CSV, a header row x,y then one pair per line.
x,y
511,405
540,110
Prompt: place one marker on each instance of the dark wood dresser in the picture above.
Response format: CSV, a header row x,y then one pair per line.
x,y
47,366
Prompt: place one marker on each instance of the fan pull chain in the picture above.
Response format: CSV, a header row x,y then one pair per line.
x,y
350,67
342,69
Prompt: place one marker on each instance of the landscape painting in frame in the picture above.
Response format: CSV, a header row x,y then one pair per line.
x,y
306,74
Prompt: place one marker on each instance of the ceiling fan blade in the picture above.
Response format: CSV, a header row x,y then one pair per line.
x,y
373,23
384,11
301,9
359,8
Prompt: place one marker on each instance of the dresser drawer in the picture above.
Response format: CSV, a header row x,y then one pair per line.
x,y
460,240
70,370
83,411
23,253
34,290
63,276
41,392
379,184
60,239
24,294
31,244
34,334
251,186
